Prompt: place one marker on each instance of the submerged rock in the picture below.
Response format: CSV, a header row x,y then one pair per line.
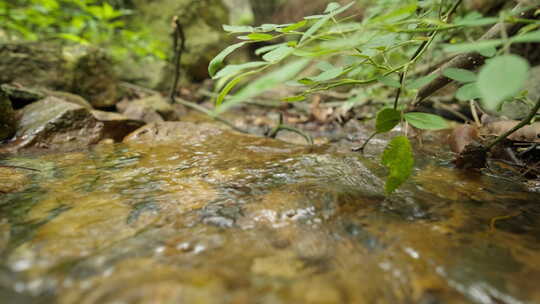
x,y
54,124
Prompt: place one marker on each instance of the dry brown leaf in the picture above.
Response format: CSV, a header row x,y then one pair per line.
x,y
529,133
462,136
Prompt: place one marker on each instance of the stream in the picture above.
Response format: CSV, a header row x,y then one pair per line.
x,y
213,216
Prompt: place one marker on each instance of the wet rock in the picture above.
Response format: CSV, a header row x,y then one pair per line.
x,y
69,97
149,109
12,179
140,112
21,96
54,124
171,132
116,126
82,70
7,117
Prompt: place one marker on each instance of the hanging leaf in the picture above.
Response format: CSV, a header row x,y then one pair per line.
x,y
294,98
259,37
398,158
425,121
238,28
468,92
268,48
278,54
314,28
236,68
460,75
387,119
391,82
293,27
500,78
332,6
266,82
420,82
217,62
327,75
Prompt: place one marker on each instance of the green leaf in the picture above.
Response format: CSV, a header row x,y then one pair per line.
x,y
294,98
500,78
259,37
472,46
263,83
332,6
217,62
293,27
488,52
425,121
387,80
324,65
420,82
460,75
468,92
477,21
236,68
398,158
268,48
397,14
74,38
488,45
327,75
238,28
278,53
387,119
314,28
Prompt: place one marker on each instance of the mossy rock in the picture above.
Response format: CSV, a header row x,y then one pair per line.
x,y
202,21
83,70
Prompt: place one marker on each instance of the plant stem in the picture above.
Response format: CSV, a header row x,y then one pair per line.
x,y
520,125
179,45
201,109
422,49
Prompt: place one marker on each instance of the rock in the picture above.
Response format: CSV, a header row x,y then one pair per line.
x,y
140,112
7,117
20,96
82,70
116,126
31,64
69,97
54,124
202,21
169,131
12,179
148,109
94,78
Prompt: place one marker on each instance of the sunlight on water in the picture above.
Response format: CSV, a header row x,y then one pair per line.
x,y
220,217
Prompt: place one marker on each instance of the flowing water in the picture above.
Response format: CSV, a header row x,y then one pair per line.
x,y
218,217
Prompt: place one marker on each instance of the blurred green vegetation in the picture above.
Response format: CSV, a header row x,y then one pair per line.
x,y
106,24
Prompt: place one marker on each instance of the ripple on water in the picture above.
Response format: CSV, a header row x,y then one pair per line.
x,y
220,217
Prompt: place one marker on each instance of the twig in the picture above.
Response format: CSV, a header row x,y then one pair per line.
x,y
281,126
201,109
179,46
520,125
422,49
471,60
